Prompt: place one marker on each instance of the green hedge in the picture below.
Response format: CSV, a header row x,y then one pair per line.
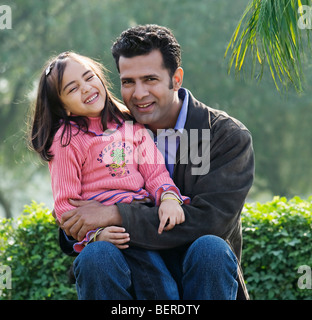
x,y
277,240
29,246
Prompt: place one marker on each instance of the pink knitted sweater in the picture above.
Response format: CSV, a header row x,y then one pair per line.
x,y
119,165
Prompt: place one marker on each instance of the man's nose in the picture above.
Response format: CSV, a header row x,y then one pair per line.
x,y
140,91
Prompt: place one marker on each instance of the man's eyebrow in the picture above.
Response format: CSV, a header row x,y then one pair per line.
x,y
150,76
71,82
143,77
125,78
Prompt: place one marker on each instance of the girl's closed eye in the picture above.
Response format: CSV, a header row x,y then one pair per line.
x,y
72,89
90,77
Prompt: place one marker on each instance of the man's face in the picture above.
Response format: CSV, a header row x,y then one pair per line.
x,y
148,92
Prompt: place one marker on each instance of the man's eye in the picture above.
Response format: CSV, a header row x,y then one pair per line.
x,y
126,82
151,80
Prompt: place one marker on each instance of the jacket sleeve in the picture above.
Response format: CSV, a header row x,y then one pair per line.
x,y
67,243
217,197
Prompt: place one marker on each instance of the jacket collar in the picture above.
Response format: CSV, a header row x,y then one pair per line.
x,y
195,118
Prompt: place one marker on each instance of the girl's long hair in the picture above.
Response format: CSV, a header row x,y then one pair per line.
x,y
49,113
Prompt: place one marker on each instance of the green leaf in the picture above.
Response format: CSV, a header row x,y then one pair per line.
x,y
268,31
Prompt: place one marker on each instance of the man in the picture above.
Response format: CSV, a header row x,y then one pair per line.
x,y
198,258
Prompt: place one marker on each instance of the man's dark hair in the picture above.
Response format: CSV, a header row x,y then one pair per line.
x,y
143,39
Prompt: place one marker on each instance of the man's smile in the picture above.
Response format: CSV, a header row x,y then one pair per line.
x,y
144,105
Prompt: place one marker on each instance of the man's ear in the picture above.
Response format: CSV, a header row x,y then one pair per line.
x,y
177,79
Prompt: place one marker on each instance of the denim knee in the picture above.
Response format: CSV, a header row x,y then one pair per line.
x,y
211,252
98,257
210,270
102,273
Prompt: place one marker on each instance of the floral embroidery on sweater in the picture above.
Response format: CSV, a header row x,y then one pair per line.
x,y
117,165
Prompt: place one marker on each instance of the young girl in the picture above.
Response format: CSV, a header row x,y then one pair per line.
x,y
94,150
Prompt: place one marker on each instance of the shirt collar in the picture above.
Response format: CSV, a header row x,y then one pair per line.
x,y
183,95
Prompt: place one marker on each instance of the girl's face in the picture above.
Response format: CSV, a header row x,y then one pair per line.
x,y
82,92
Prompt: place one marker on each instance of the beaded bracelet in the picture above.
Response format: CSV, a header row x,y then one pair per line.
x,y
176,197
98,231
172,198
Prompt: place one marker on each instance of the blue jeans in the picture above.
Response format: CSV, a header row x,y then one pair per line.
x,y
205,270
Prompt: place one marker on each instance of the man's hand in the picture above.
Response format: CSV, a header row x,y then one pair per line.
x,y
88,215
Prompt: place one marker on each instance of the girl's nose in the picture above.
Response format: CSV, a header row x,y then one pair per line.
x,y
85,88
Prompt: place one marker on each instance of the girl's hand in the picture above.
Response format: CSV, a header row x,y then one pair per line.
x,y
116,236
170,211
